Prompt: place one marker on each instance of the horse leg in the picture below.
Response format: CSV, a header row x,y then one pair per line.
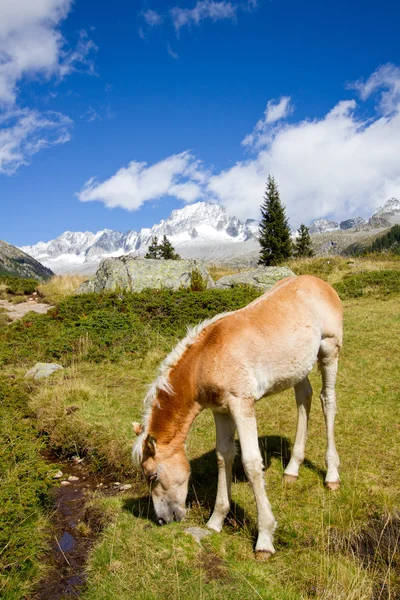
x,y
225,429
303,392
328,361
245,419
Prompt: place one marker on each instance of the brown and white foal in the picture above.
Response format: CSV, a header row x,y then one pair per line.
x,y
227,364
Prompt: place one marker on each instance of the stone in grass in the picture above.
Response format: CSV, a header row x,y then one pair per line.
x,y
124,487
73,478
262,278
64,483
43,370
197,533
58,474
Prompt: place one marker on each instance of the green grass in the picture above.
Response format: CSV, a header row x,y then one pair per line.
x,y
373,283
314,538
23,493
111,346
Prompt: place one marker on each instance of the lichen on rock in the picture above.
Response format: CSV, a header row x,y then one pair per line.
x,y
262,278
135,275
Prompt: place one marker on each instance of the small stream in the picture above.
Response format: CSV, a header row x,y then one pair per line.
x,y
74,528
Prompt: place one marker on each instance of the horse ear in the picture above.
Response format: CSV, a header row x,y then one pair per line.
x,y
151,444
137,428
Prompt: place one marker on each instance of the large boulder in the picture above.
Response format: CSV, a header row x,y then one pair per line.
x,y
262,278
136,274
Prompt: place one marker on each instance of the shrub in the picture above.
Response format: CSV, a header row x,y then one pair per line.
x,y
197,283
18,286
110,326
379,283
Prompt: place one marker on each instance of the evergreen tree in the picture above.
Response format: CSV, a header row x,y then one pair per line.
x,y
167,251
274,237
153,251
303,242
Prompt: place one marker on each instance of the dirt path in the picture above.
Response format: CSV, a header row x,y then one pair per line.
x,y
17,311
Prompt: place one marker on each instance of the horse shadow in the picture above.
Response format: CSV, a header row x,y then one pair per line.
x,y
203,482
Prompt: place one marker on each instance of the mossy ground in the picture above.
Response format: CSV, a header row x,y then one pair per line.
x,y
107,373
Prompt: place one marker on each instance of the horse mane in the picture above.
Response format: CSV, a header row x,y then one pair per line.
x,y
162,381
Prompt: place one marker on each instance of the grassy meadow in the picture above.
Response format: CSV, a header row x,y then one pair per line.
x,y
342,545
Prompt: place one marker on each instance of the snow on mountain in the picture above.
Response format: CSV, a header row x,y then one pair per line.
x,y
390,212
201,230
322,225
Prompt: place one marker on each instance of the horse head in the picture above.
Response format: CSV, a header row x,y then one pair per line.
x,y
166,470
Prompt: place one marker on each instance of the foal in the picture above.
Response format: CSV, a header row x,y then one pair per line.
x,y
227,364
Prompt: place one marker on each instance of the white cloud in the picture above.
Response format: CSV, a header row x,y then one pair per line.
x,y
214,10
79,58
340,165
31,44
137,183
275,111
203,9
387,78
152,17
173,54
24,132
32,47
91,115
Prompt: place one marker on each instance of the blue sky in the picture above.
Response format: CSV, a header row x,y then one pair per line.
x,y
113,114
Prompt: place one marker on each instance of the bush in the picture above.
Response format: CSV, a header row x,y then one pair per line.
x,y
109,326
378,283
197,283
18,286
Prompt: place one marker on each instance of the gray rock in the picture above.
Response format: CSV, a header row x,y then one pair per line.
x,y
124,487
329,247
136,274
42,370
262,278
321,225
350,223
197,533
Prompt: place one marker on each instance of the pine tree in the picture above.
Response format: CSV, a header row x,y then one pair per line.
x,y
303,242
167,251
274,237
153,251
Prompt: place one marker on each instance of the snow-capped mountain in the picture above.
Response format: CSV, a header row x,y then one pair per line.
x,y
322,225
388,214
201,230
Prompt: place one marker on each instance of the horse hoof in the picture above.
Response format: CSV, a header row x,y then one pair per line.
x,y
289,478
333,486
263,555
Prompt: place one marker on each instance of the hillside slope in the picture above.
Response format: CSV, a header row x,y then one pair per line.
x,y
15,262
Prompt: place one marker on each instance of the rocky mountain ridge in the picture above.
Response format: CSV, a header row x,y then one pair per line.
x,y
15,262
191,229
200,230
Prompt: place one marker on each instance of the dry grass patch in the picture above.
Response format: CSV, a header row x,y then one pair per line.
x,y
217,272
59,287
334,268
